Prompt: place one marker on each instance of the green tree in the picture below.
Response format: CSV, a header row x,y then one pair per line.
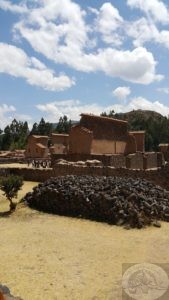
x,y
15,135
10,185
6,138
155,125
111,114
63,125
34,130
43,128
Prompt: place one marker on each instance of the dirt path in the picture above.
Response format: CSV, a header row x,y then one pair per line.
x,y
51,257
63,258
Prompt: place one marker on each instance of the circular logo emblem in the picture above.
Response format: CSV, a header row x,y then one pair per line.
x,y
145,281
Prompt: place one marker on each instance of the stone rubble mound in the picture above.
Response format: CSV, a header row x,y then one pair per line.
x,y
115,200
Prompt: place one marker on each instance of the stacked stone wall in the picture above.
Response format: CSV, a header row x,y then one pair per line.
x,y
158,176
150,160
39,175
118,161
138,160
135,161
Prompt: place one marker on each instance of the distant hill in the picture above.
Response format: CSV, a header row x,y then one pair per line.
x,y
140,114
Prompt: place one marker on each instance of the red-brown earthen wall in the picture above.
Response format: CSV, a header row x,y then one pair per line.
x,y
103,147
80,140
62,139
37,147
130,145
105,128
140,140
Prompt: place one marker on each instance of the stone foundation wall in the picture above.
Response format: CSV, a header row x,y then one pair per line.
x,y
135,161
139,160
105,159
150,160
159,176
118,161
39,175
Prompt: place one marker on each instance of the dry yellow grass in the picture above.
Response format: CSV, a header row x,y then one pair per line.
x,y
27,187
17,165
50,257
14,165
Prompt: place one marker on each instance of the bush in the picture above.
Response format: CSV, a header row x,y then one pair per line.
x,y
10,185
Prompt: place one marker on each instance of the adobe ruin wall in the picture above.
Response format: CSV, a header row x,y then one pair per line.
x,y
102,127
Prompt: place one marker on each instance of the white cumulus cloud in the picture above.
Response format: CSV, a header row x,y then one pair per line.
x,y
143,104
164,90
61,34
121,92
155,9
71,108
15,62
8,6
144,30
5,114
108,22
52,111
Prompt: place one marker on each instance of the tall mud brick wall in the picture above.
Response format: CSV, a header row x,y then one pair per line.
x,y
140,140
80,140
109,135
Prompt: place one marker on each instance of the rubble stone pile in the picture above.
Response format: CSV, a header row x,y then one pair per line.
x,y
115,200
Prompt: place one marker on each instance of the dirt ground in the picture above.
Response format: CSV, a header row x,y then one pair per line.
x,y
16,165
50,257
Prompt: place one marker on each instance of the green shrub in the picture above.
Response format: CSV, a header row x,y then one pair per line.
x,y
10,185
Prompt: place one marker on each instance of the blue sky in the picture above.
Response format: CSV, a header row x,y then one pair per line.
x,y
66,57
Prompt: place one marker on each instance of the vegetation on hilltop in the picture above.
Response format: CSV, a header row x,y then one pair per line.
x,y
155,125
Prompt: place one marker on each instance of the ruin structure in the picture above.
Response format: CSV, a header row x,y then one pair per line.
x,y
93,135
96,138
103,135
37,147
59,143
140,140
